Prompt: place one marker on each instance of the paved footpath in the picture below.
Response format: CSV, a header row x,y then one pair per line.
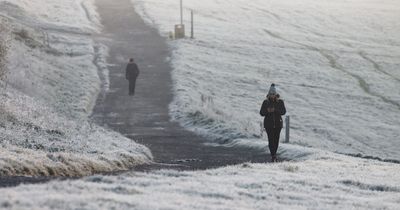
x,y
144,117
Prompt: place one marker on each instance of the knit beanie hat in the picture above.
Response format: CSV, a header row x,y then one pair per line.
x,y
272,90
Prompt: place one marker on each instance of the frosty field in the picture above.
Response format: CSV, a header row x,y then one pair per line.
x,y
320,181
336,64
52,85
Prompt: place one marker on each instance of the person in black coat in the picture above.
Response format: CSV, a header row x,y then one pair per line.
x,y
132,72
272,109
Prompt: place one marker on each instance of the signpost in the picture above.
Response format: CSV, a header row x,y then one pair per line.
x,y
180,28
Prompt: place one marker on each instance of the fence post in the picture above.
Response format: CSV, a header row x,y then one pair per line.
x,y
192,26
181,13
287,120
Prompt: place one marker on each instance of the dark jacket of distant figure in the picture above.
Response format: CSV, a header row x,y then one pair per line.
x,y
132,71
273,119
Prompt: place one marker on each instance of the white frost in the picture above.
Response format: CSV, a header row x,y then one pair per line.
x,y
335,63
52,87
321,182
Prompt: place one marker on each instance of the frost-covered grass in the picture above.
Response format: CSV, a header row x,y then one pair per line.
x,y
52,86
48,133
335,63
52,53
36,140
4,45
321,181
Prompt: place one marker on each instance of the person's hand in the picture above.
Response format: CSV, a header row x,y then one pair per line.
x,y
271,109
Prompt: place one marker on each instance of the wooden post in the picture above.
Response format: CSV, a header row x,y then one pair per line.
x,y
192,26
287,120
46,40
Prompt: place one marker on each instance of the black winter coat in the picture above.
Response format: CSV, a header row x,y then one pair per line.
x,y
273,119
132,71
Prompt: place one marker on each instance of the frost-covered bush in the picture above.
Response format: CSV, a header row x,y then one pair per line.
x,y
27,37
23,34
290,168
4,46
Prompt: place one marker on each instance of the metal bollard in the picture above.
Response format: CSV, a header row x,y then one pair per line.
x,y
287,120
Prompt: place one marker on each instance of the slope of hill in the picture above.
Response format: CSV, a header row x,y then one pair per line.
x,y
50,91
335,63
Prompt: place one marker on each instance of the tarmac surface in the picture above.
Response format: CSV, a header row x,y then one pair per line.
x,y
144,117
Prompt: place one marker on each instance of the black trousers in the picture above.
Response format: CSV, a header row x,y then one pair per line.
x,y
273,139
132,85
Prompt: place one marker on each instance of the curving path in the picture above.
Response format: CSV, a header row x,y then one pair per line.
x,y
144,117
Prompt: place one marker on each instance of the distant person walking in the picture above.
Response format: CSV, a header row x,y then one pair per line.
x,y
272,109
132,72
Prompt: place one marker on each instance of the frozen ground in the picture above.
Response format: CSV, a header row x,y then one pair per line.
x,y
321,181
52,86
213,90
335,62
52,53
36,140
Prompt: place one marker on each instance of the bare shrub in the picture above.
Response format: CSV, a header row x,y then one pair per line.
x,y
4,46
5,41
290,168
23,34
26,36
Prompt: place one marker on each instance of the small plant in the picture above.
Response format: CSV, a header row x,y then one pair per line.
x,y
246,165
290,168
23,34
